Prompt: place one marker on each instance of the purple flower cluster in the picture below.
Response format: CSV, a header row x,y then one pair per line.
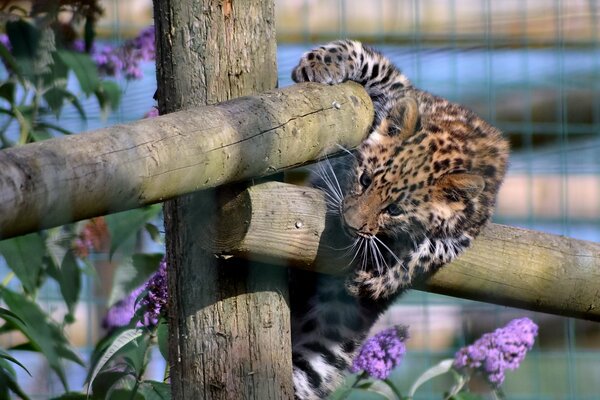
x,y
154,302
5,41
121,312
158,293
123,60
381,353
501,350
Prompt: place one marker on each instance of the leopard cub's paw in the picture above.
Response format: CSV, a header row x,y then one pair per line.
x,y
318,66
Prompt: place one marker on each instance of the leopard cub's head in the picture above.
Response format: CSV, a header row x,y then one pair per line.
x,y
417,181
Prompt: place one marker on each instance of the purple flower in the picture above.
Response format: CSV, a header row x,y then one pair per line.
x,y
108,61
5,41
158,294
144,43
153,112
154,301
498,351
121,312
381,353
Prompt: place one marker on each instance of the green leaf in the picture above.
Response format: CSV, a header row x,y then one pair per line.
x,y
24,255
8,58
440,368
8,315
57,128
71,396
124,225
6,356
125,394
136,354
153,390
70,281
131,273
8,382
108,95
105,381
7,91
467,396
40,135
343,391
56,97
162,336
45,335
153,232
127,336
84,69
89,33
24,39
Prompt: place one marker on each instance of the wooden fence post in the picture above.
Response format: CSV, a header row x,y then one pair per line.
x,y
229,328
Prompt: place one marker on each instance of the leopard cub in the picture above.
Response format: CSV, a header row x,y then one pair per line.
x,y
416,193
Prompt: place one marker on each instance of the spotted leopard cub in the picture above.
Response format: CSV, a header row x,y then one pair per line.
x,y
417,192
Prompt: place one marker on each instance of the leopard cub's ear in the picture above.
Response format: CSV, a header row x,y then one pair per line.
x,y
403,120
462,183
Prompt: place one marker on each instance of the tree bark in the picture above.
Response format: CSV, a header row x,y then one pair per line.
x,y
229,334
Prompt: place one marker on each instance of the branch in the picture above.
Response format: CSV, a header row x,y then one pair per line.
x,y
287,225
127,166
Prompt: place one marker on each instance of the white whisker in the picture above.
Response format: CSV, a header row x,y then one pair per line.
x,y
390,251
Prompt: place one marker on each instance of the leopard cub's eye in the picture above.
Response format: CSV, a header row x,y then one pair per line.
x,y
365,180
393,210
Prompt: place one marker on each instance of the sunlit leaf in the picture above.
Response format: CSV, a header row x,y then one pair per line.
x,y
119,342
24,256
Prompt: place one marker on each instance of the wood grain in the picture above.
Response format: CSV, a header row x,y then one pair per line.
x,y
506,265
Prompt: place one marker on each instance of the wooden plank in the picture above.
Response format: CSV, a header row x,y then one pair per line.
x,y
506,265
71,178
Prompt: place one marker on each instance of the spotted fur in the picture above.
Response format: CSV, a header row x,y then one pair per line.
x,y
416,193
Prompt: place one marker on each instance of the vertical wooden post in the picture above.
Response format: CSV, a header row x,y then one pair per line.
x,y
229,327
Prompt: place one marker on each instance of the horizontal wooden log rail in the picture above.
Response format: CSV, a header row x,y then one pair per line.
x,y
286,224
127,166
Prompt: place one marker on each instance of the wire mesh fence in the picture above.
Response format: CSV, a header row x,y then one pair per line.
x,y
531,68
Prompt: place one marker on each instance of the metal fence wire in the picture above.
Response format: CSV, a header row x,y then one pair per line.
x,y
531,68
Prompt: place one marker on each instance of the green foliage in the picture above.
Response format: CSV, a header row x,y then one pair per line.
x,y
37,85
44,335
39,63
